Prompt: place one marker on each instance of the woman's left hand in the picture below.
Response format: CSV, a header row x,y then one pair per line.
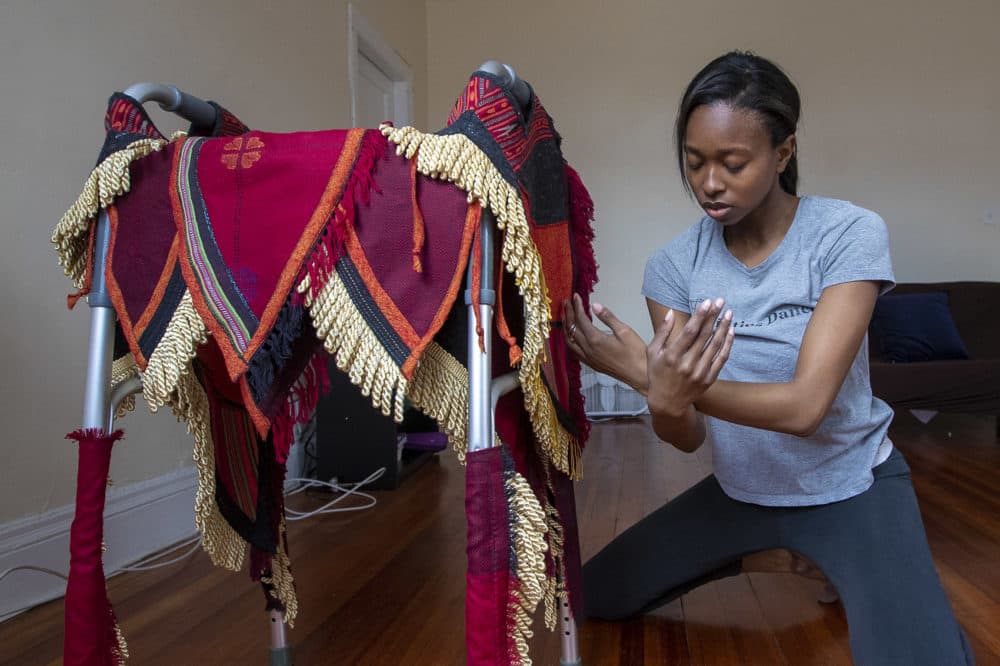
x,y
683,366
620,353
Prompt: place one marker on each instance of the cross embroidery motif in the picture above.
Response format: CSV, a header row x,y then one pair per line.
x,y
242,154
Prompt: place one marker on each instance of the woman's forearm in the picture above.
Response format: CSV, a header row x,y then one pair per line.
x,y
782,407
685,431
638,379
632,373
832,340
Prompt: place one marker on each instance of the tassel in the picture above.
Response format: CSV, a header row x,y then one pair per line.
x,y
91,634
88,271
477,285
503,328
418,220
299,406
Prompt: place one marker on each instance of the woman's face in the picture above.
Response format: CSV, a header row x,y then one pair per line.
x,y
731,165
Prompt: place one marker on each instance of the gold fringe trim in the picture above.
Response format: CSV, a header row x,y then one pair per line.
x,y
169,379
173,354
555,586
281,581
528,528
109,180
440,389
122,370
120,651
224,546
357,350
458,160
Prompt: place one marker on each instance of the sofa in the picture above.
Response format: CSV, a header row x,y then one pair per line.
x,y
936,346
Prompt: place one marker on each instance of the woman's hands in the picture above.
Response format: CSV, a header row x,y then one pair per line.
x,y
675,369
681,367
620,353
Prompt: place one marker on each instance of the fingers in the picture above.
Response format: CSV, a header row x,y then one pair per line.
x,y
570,329
662,334
580,332
585,328
609,319
569,318
723,353
686,349
693,329
707,323
714,347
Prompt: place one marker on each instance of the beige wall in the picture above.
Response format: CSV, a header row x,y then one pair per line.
x,y
281,66
901,111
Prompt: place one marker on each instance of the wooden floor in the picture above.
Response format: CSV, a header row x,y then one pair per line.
x,y
385,586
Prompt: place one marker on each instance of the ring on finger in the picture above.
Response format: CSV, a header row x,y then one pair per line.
x,y
572,330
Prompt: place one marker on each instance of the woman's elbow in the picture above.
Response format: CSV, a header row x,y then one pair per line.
x,y
688,442
807,422
803,430
684,445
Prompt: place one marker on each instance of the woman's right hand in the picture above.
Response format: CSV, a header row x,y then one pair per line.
x,y
682,367
620,354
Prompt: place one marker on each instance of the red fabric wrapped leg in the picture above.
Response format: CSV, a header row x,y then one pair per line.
x,y
92,636
486,578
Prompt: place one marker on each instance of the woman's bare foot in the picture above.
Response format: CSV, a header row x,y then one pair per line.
x,y
781,560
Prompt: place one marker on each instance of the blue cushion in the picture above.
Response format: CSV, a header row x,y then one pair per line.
x,y
917,327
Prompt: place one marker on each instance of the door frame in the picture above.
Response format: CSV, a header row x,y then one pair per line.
x,y
364,39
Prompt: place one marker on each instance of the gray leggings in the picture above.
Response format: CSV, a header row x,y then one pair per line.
x,y
872,547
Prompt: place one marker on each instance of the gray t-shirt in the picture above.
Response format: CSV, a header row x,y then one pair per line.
x,y
829,242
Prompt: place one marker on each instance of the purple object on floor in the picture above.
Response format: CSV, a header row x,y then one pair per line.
x,y
426,441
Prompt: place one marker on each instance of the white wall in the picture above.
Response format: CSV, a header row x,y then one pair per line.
x,y
901,111
280,66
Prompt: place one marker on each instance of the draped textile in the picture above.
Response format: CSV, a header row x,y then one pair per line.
x,y
238,261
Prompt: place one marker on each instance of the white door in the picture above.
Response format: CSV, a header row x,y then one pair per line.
x,y
375,94
381,81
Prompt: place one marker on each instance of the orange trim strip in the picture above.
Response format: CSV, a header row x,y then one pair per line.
x,y
115,292
161,287
382,299
260,421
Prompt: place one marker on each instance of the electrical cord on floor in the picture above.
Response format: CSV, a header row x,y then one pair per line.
x,y
32,567
193,542
29,567
145,564
293,515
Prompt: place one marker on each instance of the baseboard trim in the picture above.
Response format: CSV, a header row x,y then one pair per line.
x,y
139,519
